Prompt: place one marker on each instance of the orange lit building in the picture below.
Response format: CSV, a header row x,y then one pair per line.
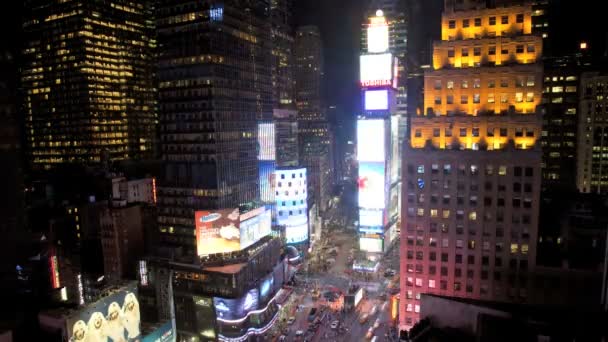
x,y
471,171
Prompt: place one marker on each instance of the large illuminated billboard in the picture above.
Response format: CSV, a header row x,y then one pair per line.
x,y
292,205
255,228
217,231
233,309
113,318
266,172
371,217
369,244
371,185
395,157
370,140
376,70
377,38
266,141
376,99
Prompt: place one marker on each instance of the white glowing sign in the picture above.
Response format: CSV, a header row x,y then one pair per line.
x,y
377,37
376,70
376,99
370,140
370,244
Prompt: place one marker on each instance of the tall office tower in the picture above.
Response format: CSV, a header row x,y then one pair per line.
x,y
87,79
592,133
560,104
283,82
314,134
395,13
214,85
471,171
377,141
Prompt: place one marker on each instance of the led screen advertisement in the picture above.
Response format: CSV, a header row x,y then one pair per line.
x,y
395,156
376,99
371,185
233,309
267,173
114,318
266,141
255,228
371,217
370,140
266,288
368,244
376,70
377,37
296,233
217,231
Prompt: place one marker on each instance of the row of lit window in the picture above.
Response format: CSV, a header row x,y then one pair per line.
x,y
519,49
474,169
473,201
504,98
448,132
520,82
504,20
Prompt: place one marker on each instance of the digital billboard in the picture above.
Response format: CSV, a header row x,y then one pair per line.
x,y
395,156
292,204
233,309
266,141
394,202
164,333
266,170
373,245
217,231
376,70
114,318
370,140
296,233
266,287
377,37
371,217
376,99
255,228
371,185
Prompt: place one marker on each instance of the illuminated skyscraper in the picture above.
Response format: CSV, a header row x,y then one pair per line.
x,y
87,81
283,42
471,171
314,135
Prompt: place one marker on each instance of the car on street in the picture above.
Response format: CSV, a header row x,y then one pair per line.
x,y
291,320
299,333
373,310
370,333
335,324
282,338
377,323
312,314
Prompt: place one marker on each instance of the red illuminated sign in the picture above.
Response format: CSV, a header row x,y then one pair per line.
x,y
376,83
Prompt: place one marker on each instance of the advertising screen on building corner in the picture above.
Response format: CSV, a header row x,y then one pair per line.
x,y
370,140
217,231
371,185
376,99
376,70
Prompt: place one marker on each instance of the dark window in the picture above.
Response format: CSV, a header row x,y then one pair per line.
x,y
477,22
471,259
459,258
465,23
492,21
519,18
504,20
452,24
444,257
444,271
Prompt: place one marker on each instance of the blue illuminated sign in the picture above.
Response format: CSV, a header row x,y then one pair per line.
x,y
216,14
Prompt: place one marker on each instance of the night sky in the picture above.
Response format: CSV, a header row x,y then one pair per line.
x,y
340,24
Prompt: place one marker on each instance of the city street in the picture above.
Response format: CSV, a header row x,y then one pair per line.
x,y
338,275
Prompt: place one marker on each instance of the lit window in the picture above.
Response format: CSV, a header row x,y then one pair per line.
x,y
416,308
491,98
476,98
409,308
420,212
446,214
530,82
530,97
473,216
433,212
476,83
431,283
557,89
459,244
464,84
502,170
514,248
418,282
571,89
519,97
445,243
450,85
524,249
420,168
504,98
